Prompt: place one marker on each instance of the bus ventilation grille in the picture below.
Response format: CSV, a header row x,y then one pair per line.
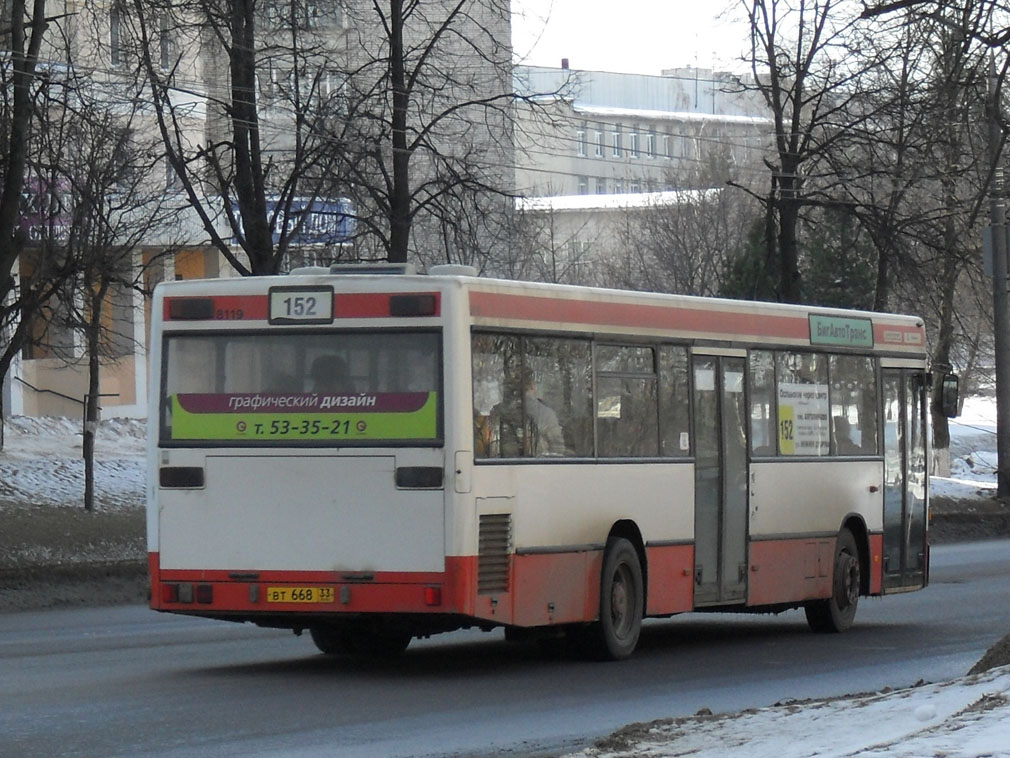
x,y
493,553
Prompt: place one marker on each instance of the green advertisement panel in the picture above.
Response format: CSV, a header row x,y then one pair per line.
x,y
841,332
311,417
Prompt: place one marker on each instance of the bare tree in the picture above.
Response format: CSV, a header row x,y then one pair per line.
x,y
691,236
107,165
239,91
921,174
26,111
804,61
424,138
400,105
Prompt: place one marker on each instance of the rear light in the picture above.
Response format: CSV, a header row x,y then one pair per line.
x,y
187,593
191,477
191,308
432,595
412,305
419,477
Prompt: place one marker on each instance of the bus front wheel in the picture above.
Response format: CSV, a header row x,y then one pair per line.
x,y
615,635
836,613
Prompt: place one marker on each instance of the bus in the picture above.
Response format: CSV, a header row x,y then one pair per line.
x,y
372,455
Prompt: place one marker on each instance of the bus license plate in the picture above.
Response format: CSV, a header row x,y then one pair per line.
x,y
300,595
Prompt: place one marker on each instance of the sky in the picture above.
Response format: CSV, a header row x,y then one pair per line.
x,y
629,36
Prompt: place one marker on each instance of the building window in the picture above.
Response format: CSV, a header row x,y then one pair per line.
x,y
667,146
115,35
580,142
601,186
635,188
312,15
618,186
634,144
615,142
650,145
583,185
165,42
599,143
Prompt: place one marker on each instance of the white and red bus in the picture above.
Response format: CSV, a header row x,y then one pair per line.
x,y
374,456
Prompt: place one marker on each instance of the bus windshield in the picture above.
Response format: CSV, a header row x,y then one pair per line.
x,y
319,388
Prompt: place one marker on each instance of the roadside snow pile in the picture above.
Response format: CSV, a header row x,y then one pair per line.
x,y
972,452
966,718
42,462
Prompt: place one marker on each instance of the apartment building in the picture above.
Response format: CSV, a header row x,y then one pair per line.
x,y
587,140
338,65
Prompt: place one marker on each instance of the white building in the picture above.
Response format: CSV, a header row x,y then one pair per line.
x,y
587,140
99,40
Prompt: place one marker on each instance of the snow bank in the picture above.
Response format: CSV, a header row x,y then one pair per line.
x,y
42,462
965,718
972,452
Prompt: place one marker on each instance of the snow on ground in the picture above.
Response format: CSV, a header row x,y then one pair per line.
x,y
972,452
42,463
966,718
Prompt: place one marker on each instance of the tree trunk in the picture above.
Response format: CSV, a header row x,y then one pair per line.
x,y
399,211
789,285
250,192
23,66
91,402
945,327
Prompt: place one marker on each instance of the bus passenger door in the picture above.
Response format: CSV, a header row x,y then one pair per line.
x,y
720,505
904,479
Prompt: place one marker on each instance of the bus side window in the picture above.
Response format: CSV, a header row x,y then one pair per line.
x,y
674,402
761,375
495,368
853,404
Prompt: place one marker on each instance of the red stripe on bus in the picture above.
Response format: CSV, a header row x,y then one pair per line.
x,y
789,571
381,592
345,305
899,336
877,563
671,580
628,315
374,305
227,307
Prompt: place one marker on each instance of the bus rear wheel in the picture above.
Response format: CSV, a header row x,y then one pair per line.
x,y
363,639
330,639
615,636
376,640
836,613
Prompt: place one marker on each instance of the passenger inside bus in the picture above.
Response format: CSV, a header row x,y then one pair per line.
x,y
525,425
329,374
843,437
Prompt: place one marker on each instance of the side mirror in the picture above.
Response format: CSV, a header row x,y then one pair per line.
x,y
949,397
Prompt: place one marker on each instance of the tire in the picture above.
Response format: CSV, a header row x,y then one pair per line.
x,y
330,639
836,614
615,636
376,640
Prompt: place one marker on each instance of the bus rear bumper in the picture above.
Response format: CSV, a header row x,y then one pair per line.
x,y
250,593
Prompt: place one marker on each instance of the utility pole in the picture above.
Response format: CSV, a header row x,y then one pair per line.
x,y
1001,323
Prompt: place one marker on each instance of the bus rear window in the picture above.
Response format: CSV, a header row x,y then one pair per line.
x,y
332,388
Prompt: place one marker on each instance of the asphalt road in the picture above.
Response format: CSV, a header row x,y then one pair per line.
x,y
129,682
